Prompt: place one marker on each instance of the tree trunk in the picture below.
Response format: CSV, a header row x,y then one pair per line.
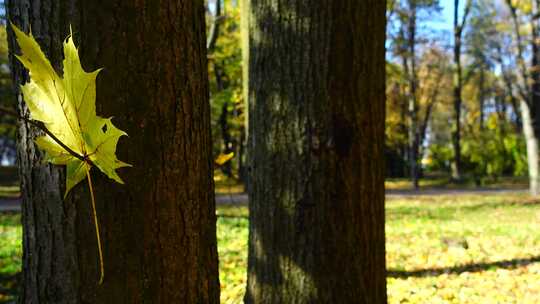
x,y
456,133
535,72
228,146
244,33
481,97
532,148
458,86
413,103
158,230
527,106
316,140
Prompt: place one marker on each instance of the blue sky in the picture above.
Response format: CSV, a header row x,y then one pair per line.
x,y
447,14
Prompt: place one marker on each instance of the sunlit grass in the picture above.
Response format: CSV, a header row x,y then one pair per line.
x,y
232,236
227,185
10,254
443,249
467,183
440,249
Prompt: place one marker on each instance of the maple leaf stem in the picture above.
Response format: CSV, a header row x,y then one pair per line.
x,y
96,223
44,129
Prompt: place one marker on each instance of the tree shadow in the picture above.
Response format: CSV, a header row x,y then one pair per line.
x,y
473,267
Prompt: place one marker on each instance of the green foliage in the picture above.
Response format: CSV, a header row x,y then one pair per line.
x,y
439,157
225,75
495,150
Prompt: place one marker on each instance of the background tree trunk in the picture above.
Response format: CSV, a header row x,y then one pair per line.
x,y
531,142
456,132
158,230
527,104
317,78
244,34
410,55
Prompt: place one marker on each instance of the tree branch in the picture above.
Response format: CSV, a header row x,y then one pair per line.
x,y
42,127
468,6
214,29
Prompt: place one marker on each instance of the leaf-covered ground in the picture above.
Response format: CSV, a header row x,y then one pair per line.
x,y
444,249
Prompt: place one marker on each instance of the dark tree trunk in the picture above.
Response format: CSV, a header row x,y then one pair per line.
x,y
535,72
459,25
317,91
456,133
481,97
244,33
404,147
158,230
410,55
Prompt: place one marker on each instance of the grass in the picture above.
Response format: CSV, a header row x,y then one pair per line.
x,y
10,255
444,182
227,185
443,249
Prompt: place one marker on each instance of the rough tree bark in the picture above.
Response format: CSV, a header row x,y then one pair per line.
x,y
317,92
158,230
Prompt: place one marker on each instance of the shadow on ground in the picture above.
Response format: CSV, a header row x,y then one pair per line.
x,y
473,267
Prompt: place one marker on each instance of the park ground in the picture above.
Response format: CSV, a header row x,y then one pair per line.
x,y
442,247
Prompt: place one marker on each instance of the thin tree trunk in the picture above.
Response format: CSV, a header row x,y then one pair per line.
x,y
226,137
244,33
317,151
404,147
458,86
535,72
481,97
532,148
214,29
413,103
526,107
158,230
456,135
